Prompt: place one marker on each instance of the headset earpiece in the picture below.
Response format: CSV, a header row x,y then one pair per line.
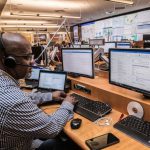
x,y
9,61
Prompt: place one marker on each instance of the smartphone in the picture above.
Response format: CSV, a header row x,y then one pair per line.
x,y
102,141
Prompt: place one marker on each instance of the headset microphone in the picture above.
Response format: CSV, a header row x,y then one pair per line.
x,y
28,66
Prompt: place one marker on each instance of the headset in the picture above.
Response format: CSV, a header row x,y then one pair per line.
x,y
10,61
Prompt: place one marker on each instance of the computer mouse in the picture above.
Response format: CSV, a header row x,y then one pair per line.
x,y
76,123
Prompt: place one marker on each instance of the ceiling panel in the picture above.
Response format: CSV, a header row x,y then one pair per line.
x,y
24,12
2,4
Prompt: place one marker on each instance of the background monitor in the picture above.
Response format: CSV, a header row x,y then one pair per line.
x,y
76,46
85,46
96,41
78,61
108,45
146,39
123,45
52,80
130,68
35,73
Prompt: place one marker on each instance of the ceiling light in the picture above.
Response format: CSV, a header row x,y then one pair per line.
x,y
27,26
33,22
50,16
130,2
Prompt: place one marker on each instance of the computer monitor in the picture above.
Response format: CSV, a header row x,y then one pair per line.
x,y
35,74
123,45
130,68
76,46
85,46
52,80
146,39
96,41
78,61
109,45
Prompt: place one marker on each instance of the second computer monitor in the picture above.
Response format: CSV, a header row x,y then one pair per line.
x,y
130,68
108,45
35,74
52,80
123,45
78,61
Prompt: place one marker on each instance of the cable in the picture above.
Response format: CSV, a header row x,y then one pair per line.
x,y
104,121
50,40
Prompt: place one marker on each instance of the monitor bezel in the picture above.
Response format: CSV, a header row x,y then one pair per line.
x,y
53,72
83,75
124,85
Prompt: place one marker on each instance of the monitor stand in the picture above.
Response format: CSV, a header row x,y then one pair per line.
x,y
74,75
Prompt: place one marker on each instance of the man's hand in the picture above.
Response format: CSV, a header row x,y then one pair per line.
x,y
71,99
58,95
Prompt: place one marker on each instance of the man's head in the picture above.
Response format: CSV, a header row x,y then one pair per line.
x,y
18,48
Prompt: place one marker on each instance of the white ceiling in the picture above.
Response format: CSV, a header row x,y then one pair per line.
x,y
36,14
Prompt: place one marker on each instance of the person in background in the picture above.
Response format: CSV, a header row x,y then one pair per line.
x,y
63,44
21,120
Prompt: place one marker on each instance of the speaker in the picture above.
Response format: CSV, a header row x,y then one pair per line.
x,y
9,61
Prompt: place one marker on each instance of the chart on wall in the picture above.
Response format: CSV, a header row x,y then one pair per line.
x,y
130,27
88,31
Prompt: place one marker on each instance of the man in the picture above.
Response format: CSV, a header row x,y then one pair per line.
x,y
21,120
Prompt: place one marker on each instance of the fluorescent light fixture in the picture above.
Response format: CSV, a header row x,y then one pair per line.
x,y
50,16
27,26
130,2
16,21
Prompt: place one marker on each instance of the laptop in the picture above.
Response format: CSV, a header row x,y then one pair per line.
x,y
51,81
32,81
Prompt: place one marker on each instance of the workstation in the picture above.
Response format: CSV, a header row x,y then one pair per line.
x,y
99,53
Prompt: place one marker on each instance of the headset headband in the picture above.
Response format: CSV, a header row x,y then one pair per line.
x,y
1,42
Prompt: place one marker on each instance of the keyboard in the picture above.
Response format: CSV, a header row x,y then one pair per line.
x,y
90,109
136,128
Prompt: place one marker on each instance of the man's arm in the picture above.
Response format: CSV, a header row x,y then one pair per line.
x,y
26,119
39,98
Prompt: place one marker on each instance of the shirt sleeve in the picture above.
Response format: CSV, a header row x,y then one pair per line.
x,y
39,98
26,119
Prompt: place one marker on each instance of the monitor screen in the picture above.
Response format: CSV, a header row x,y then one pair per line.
x,y
96,41
109,45
85,46
52,80
123,45
76,46
130,68
35,74
78,61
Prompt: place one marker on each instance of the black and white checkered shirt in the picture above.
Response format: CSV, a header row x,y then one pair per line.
x,y
21,120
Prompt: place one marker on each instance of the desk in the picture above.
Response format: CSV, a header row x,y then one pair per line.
x,y
89,130
118,98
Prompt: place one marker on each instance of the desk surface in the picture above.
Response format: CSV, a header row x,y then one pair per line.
x,y
89,130
116,96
